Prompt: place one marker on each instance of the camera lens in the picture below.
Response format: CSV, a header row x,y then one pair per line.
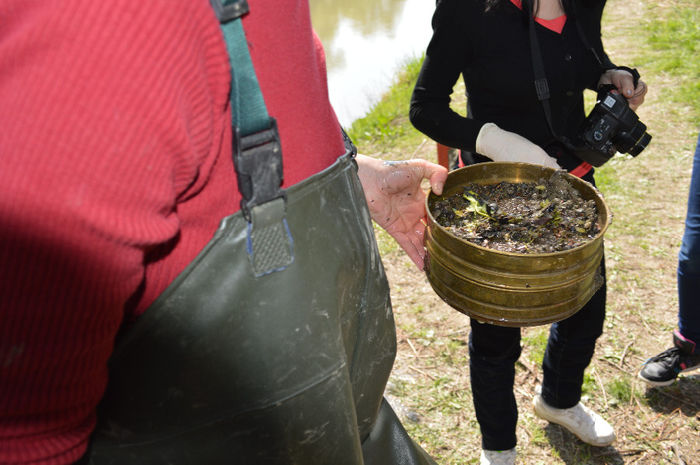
x,y
640,145
638,138
633,141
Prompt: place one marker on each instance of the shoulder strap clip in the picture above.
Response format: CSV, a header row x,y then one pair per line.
x,y
258,161
228,10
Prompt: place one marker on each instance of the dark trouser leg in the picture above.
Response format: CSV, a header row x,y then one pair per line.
x,y
570,349
493,351
689,260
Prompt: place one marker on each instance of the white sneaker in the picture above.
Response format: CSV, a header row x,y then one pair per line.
x,y
498,457
579,419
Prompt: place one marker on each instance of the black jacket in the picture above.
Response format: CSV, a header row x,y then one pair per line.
x,y
491,50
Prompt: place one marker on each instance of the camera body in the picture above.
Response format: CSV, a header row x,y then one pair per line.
x,y
612,126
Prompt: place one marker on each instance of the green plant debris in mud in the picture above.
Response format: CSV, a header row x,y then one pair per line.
x,y
527,217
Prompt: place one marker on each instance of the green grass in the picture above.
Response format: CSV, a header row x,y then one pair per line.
x,y
671,47
386,243
621,390
536,343
589,386
386,126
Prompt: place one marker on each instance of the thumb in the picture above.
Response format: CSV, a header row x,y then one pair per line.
x,y
437,178
624,82
434,173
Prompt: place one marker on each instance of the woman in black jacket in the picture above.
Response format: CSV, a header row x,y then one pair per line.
x,y
487,41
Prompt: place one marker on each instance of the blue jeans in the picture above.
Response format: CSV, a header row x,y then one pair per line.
x,y
689,260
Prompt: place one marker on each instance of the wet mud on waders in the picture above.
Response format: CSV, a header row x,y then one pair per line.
x,y
275,344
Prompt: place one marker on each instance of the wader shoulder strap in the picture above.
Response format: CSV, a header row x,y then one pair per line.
x,y
257,153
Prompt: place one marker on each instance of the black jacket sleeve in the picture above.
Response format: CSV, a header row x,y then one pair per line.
x,y
448,54
589,15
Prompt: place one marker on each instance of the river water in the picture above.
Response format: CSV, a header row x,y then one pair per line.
x,y
366,43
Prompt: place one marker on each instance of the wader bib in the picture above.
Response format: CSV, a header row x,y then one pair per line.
x,y
275,344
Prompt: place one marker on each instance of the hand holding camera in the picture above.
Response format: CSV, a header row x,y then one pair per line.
x,y
627,83
613,126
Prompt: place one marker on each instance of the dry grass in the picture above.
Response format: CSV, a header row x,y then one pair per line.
x,y
430,383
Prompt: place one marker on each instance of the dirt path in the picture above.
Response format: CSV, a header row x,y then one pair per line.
x,y
430,383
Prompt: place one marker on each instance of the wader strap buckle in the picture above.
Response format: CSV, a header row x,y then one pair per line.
x,y
269,242
227,10
258,161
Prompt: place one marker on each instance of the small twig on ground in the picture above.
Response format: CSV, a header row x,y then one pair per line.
x,y
638,458
522,392
613,365
639,406
529,371
602,388
620,452
644,321
659,437
458,332
420,146
633,398
526,366
662,434
624,353
422,372
410,344
674,430
678,455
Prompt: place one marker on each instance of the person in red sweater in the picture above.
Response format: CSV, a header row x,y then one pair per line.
x,y
116,171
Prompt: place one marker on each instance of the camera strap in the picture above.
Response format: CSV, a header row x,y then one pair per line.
x,y
541,83
543,95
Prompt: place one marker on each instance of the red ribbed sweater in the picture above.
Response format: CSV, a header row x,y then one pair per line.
x,y
115,169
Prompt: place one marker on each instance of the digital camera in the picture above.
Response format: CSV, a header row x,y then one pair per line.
x,y
612,126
